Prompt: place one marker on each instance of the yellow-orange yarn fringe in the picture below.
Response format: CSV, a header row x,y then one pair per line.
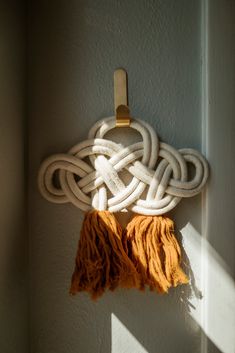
x,y
145,254
155,252
101,261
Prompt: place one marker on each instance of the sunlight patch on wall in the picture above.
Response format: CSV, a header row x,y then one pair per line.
x,y
122,339
214,311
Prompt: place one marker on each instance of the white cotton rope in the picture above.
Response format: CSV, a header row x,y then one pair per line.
x,y
158,171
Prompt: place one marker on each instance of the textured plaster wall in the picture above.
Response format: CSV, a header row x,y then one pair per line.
x,y
13,232
74,48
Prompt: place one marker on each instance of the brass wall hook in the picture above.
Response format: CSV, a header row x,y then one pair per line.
x,y
122,111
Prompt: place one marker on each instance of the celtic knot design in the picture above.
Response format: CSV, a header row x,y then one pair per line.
x,y
89,174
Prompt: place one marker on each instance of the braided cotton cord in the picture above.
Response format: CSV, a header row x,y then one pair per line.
x,y
155,167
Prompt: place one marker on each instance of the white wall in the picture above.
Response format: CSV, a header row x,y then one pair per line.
x,y
180,61
74,48
13,228
219,220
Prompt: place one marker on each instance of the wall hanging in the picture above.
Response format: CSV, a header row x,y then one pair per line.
x,y
146,253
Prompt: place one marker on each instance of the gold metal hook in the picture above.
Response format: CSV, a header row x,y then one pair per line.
x,y
122,111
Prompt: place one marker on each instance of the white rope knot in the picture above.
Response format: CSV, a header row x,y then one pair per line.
x,y
159,173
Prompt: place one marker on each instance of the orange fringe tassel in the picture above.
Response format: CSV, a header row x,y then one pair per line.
x,y
155,252
101,261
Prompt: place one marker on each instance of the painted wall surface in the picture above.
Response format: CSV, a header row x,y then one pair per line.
x,y
13,232
74,48
219,292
